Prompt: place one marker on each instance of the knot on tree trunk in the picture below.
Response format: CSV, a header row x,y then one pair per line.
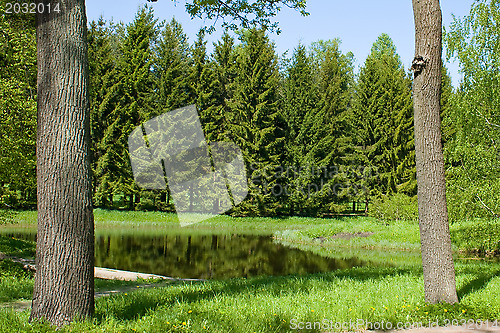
x,y
418,65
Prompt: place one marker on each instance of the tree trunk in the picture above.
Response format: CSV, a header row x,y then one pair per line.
x,y
437,260
64,279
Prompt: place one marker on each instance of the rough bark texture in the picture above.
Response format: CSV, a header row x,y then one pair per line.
x,y
437,260
64,279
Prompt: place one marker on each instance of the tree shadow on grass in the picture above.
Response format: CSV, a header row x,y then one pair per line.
x,y
140,302
480,282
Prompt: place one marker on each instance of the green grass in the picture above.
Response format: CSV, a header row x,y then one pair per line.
x,y
391,292
477,236
151,222
269,304
15,282
401,235
16,247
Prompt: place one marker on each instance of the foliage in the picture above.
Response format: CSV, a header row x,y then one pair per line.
x,y
17,109
172,67
255,123
132,102
472,151
247,14
320,137
382,122
316,97
103,97
480,236
394,207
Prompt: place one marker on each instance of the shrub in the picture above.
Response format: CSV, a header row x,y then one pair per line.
x,y
394,208
480,236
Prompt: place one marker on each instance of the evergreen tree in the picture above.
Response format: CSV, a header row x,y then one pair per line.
x,y
172,69
325,129
18,113
383,122
103,97
209,91
256,124
300,96
174,81
134,92
223,65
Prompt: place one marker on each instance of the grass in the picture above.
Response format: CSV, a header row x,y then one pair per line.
x,y
399,235
476,236
15,282
273,304
480,236
388,293
109,221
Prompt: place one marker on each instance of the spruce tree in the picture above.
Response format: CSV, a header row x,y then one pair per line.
x,y
383,122
223,65
18,112
103,97
323,133
255,121
300,97
134,92
172,69
208,91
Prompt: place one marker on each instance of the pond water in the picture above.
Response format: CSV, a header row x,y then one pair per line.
x,y
207,256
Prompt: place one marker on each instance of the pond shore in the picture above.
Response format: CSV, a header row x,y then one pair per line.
x,y
272,304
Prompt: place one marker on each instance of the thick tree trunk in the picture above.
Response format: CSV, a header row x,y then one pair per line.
x,y
64,280
437,260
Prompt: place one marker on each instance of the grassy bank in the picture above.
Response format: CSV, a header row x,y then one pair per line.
x,y
480,236
387,293
275,304
109,220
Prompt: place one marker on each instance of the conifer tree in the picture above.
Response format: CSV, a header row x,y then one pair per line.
x,y
300,96
172,69
326,128
134,92
18,113
223,65
208,91
383,122
255,121
103,97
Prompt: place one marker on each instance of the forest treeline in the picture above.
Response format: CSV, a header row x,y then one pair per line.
x,y
317,136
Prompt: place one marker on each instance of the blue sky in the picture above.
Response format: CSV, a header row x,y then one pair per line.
x,y
357,23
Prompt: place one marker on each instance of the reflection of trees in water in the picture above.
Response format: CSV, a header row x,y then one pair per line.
x,y
210,256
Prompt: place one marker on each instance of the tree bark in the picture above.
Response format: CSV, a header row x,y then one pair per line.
x,y
437,260
64,280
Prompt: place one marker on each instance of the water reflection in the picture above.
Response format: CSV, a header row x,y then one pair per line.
x,y
210,256
206,256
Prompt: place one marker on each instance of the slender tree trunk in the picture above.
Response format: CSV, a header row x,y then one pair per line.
x,y
64,279
437,260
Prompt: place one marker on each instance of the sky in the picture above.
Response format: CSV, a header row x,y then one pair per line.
x,y
357,23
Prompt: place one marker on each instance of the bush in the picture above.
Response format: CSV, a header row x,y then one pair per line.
x,y
481,236
394,208
146,204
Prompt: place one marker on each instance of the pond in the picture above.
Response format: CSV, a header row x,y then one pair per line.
x,y
206,256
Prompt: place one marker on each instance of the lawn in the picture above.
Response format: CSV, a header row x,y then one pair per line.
x,y
360,297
